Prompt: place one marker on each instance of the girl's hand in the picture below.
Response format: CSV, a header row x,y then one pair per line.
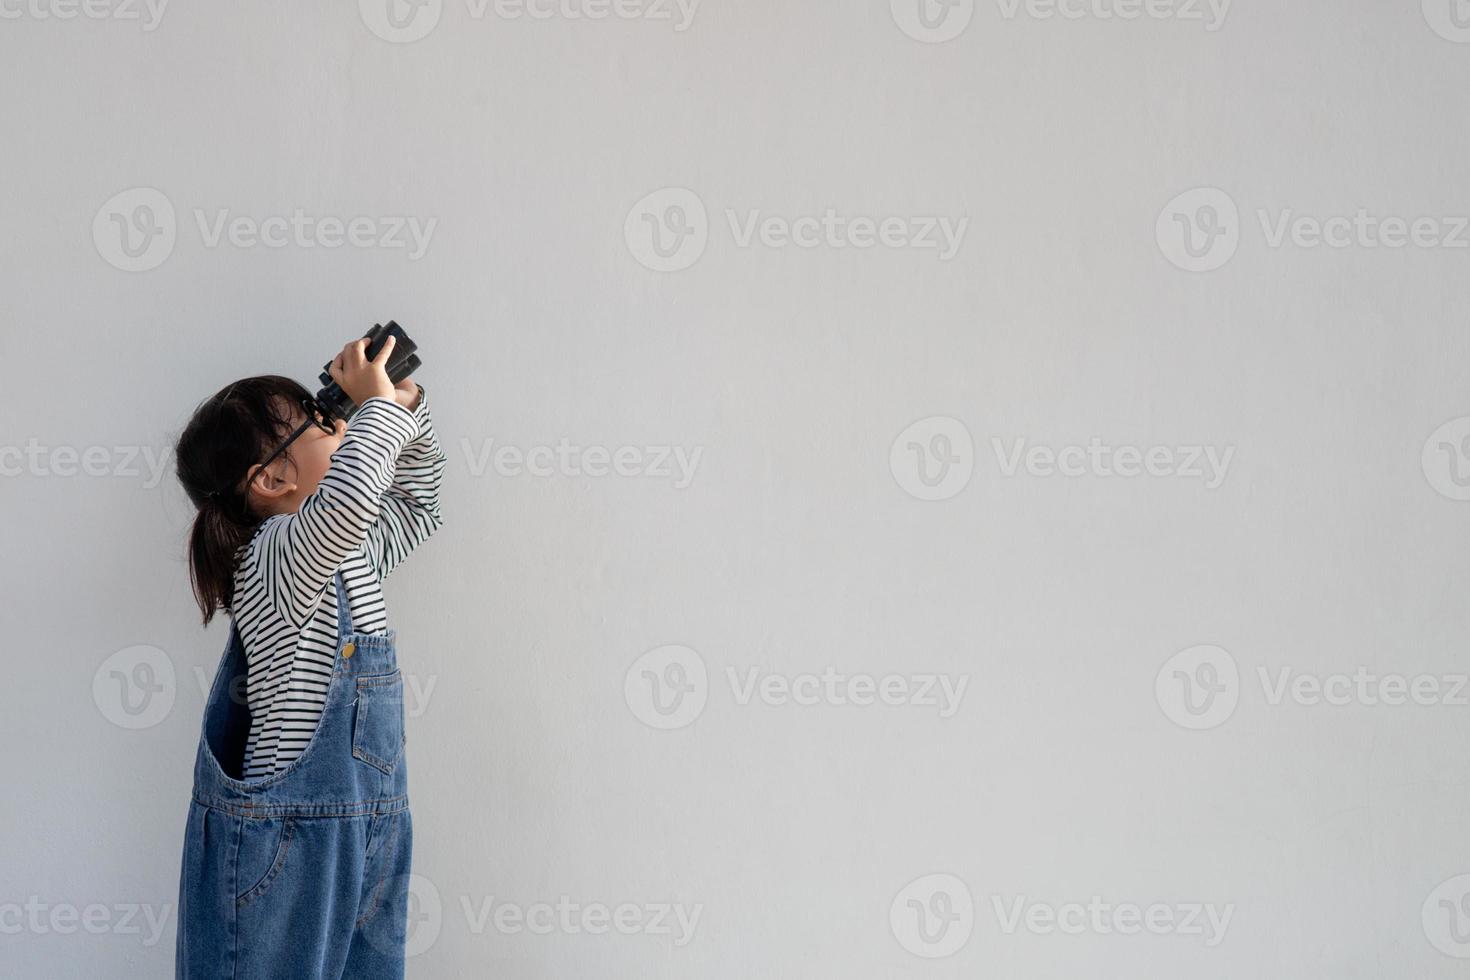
x,y
406,393
359,377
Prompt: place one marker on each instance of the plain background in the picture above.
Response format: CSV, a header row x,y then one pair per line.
x,y
796,547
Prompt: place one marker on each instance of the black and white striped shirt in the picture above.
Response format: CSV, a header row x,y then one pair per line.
x,y
377,501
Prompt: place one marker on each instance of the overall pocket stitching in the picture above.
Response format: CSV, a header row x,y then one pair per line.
x,y
278,861
359,723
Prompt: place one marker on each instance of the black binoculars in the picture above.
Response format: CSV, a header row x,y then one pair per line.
x,y
334,403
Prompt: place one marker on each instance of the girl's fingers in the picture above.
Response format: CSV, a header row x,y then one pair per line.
x,y
382,358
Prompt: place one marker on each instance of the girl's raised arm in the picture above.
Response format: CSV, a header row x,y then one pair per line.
x,y
409,510
298,554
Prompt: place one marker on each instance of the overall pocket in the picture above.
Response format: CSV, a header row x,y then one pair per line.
x,y
264,846
377,725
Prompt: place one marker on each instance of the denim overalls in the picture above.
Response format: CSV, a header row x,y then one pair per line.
x,y
301,874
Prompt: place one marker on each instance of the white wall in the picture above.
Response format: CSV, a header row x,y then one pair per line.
x,y
1331,540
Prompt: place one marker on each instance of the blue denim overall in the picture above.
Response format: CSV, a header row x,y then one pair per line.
x,y
301,874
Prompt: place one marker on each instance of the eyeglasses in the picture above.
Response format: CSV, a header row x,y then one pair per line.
x,y
314,416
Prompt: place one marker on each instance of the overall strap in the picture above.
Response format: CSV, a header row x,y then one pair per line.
x,y
344,609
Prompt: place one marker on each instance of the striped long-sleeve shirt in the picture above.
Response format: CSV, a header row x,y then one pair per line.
x,y
377,501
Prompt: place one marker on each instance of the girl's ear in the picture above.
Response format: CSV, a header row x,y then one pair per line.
x,y
270,483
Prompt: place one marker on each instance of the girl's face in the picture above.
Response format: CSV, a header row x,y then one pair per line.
x,y
293,476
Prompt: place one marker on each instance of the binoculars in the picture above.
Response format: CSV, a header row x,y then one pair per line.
x,y
335,403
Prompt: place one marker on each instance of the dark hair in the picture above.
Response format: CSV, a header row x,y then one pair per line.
x,y
228,433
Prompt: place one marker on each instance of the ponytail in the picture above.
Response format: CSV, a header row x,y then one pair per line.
x,y
214,542
228,434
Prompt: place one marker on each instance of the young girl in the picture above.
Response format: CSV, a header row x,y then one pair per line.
x,y
299,840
